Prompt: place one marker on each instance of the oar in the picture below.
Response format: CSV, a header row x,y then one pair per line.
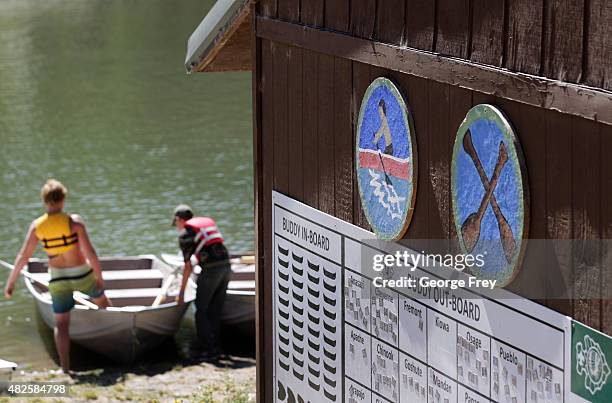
x,y
507,237
164,290
387,179
78,297
247,259
470,230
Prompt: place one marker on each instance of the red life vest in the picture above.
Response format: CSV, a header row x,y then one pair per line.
x,y
206,231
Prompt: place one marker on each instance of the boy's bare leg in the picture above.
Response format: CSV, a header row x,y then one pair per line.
x,y
62,339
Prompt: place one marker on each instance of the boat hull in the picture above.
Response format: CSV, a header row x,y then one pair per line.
x,y
239,308
6,370
132,327
120,335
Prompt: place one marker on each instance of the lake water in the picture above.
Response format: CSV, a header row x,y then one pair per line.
x,y
94,93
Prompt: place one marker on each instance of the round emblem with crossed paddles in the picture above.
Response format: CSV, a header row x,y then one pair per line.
x,y
490,193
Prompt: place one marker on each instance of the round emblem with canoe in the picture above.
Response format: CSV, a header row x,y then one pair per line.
x,y
490,193
386,160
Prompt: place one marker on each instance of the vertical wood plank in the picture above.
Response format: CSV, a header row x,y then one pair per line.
x,y
606,227
559,210
267,168
439,164
343,139
488,32
295,97
281,145
599,52
453,31
480,98
586,218
337,14
363,17
530,128
313,12
390,20
524,37
325,129
268,8
563,40
420,24
260,273
289,10
309,125
361,81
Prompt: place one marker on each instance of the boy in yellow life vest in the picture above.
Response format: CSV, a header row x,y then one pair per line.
x,y
73,263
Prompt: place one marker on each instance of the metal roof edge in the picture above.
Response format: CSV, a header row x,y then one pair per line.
x,y
218,20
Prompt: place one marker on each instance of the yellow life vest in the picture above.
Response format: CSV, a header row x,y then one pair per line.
x,y
53,230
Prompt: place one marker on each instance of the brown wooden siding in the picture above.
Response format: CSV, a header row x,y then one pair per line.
x,y
560,39
313,161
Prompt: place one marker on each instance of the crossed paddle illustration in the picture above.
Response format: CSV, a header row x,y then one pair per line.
x,y
470,230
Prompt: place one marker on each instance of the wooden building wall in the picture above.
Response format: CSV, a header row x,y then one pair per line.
x,y
306,107
567,40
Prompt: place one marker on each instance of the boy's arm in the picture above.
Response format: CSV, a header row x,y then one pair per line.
x,y
378,134
87,248
26,251
186,274
187,246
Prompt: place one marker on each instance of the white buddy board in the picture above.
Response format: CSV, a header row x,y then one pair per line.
x,y
340,339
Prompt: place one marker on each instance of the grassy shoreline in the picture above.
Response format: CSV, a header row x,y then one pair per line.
x,y
231,380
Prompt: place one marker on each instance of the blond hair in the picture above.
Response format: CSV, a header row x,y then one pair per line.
x,y
53,192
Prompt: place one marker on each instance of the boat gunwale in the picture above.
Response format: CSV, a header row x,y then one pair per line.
x,y
129,309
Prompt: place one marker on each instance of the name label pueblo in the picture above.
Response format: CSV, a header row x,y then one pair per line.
x,y
508,356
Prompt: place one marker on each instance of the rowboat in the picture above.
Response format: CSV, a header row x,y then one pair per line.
x,y
239,307
6,370
132,326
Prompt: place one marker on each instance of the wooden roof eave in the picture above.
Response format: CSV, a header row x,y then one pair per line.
x,y
222,41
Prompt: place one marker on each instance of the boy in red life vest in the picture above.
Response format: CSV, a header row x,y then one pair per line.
x,y
200,237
